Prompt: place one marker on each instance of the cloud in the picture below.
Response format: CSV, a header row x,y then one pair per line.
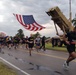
x,y
37,8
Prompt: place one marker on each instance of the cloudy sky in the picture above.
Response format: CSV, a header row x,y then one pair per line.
x,y
37,8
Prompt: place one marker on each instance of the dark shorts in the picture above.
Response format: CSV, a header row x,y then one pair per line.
x,y
43,44
23,42
26,42
71,48
9,42
37,44
31,45
0,43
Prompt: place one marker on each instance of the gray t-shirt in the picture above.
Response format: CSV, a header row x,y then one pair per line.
x,y
38,40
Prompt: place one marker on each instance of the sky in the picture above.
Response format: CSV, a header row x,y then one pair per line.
x,y
37,8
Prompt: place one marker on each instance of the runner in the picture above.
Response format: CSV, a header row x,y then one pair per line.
x,y
23,43
38,43
43,43
9,42
0,44
31,43
70,44
26,42
16,41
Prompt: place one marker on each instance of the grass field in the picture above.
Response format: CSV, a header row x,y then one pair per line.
x,y
49,46
5,70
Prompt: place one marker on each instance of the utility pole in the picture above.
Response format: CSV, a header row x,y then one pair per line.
x,y
70,13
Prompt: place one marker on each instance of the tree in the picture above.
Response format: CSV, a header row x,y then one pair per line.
x,y
37,34
74,21
20,33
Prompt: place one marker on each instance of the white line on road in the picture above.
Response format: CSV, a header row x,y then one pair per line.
x,y
14,66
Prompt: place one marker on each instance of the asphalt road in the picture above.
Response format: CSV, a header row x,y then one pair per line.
x,y
47,62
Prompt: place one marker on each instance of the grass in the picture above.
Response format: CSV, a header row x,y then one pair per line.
x,y
49,46
5,70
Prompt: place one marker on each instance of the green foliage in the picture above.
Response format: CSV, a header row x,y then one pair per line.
x,y
49,46
37,34
20,33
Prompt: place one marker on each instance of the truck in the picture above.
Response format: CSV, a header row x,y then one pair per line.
x,y
61,21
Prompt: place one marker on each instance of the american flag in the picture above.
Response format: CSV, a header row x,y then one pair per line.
x,y
28,22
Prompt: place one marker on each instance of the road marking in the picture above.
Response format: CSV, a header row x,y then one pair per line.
x,y
14,66
54,56
48,55
51,56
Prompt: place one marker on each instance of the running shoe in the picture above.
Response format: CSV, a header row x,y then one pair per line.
x,y
66,65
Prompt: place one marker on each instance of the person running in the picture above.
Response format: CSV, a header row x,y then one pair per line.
x,y
9,42
70,45
26,42
30,43
0,44
38,42
16,41
23,43
43,43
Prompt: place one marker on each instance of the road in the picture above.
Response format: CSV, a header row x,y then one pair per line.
x,y
47,62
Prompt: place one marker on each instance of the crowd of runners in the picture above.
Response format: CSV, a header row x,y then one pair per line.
x,y
28,43
38,43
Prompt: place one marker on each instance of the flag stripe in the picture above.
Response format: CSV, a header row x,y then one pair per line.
x,y
28,22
